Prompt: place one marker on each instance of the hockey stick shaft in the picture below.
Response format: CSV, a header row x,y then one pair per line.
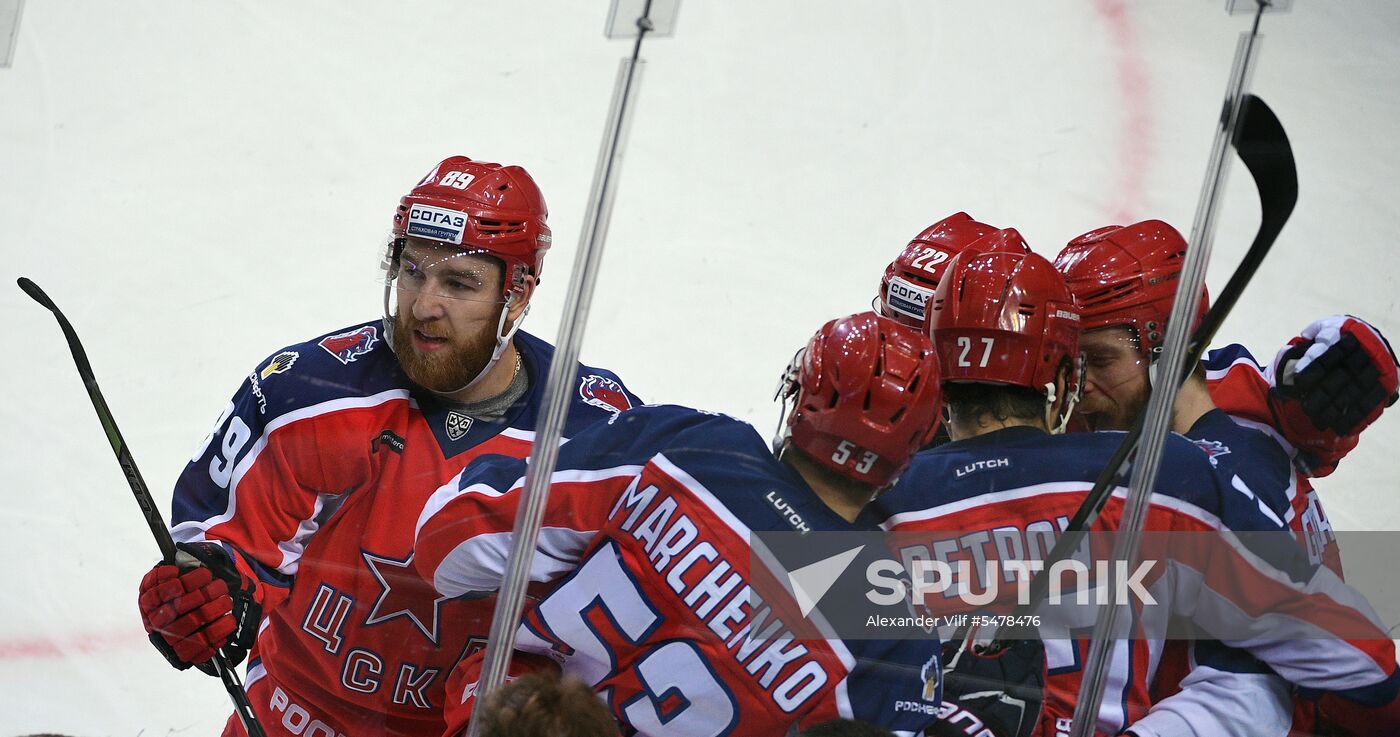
x,y
1263,147
510,602
154,520
1178,360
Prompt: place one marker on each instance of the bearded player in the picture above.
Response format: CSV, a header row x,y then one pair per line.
x,y
1006,328
1272,428
295,516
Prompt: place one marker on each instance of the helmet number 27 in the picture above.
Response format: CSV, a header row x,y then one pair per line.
x,y
965,343
843,454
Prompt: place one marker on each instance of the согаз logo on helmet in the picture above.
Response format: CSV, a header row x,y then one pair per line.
x,y
436,223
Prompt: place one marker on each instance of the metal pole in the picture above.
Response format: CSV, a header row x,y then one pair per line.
x,y
510,602
1164,390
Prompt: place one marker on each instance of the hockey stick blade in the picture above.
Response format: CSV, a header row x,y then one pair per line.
x,y
1263,147
154,520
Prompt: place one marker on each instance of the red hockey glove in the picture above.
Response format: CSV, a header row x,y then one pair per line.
x,y
998,694
198,608
1331,383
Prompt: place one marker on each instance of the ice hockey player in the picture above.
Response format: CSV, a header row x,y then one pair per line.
x,y
1332,382
913,275
1006,330
296,513
647,534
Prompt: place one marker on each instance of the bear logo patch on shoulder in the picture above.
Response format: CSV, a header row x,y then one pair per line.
x,y
347,346
604,393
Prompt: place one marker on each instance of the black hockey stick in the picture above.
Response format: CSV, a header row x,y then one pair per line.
x,y
140,491
1263,146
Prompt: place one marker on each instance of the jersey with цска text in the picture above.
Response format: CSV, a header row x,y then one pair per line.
x,y
312,479
647,537
1015,490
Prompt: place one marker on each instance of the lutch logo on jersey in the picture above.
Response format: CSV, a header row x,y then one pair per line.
x,y
427,221
280,363
458,424
346,347
604,393
908,299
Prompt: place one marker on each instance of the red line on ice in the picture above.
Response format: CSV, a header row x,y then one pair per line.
x,y
1135,143
78,643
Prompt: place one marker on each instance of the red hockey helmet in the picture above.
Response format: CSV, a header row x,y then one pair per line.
x,y
868,397
1127,276
480,207
910,279
1006,318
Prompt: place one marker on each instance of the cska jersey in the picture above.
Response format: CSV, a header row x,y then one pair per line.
x,y
1240,387
647,538
1256,466
1025,484
312,479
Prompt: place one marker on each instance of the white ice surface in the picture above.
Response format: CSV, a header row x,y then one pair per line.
x,y
200,183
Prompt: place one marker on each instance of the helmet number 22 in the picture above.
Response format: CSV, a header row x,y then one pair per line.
x,y
843,454
965,343
929,258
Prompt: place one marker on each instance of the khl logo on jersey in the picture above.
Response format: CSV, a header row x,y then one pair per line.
x,y
1212,448
347,346
436,223
604,393
458,424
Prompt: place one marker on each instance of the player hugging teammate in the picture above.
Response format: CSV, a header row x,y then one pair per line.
x,y
345,525
1005,325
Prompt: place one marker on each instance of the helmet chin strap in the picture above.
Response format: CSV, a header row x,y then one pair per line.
x,y
1058,425
502,339
502,342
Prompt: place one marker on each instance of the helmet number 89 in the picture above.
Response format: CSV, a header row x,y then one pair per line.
x,y
843,453
457,179
965,343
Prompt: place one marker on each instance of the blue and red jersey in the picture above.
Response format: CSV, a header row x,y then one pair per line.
x,y
1017,488
1240,388
312,479
646,545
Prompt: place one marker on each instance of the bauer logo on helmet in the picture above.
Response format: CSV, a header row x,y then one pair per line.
x,y
436,223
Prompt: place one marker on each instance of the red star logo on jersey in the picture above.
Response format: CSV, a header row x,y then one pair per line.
x,y
405,594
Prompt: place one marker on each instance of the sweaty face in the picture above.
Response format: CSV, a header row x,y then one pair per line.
x,y
449,307
1115,379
